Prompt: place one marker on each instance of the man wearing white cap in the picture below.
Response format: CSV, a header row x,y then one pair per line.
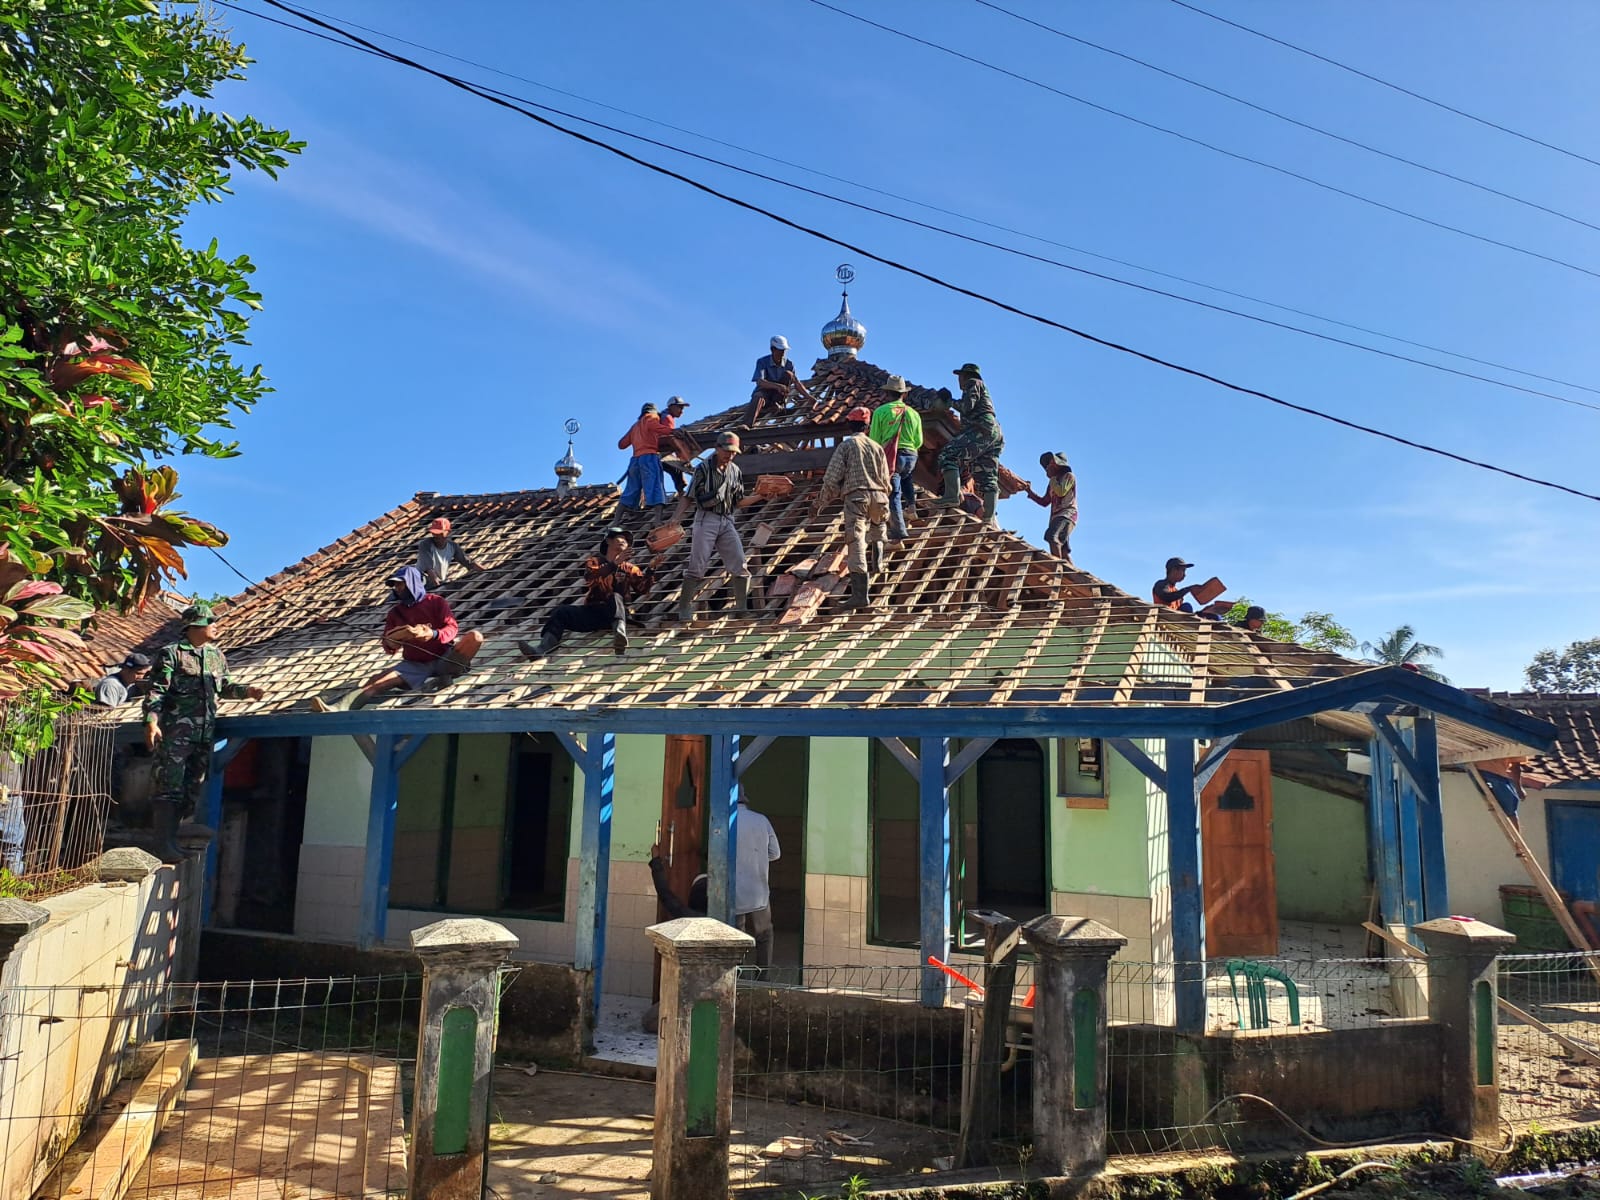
x,y
774,377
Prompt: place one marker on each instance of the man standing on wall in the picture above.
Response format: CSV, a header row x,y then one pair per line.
x,y
756,850
180,719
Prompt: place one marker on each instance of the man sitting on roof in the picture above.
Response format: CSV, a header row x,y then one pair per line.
x,y
612,582
859,472
644,485
437,551
1061,498
1166,592
977,446
716,490
422,629
897,427
774,378
116,687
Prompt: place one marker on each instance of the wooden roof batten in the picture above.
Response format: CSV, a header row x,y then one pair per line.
x,y
976,633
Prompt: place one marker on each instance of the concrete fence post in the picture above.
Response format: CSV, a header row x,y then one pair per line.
x,y
694,1062
1463,1000
18,919
1069,1041
455,1054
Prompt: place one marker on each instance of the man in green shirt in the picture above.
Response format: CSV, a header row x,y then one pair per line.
x,y
897,427
180,718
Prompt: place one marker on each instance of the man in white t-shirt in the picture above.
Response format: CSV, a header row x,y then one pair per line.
x,y
752,897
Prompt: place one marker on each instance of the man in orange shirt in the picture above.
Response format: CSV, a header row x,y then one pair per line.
x,y
612,581
644,469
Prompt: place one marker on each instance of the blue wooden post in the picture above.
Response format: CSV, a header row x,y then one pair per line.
x,y
383,803
935,867
1430,818
1408,827
1184,879
599,763
1383,815
722,845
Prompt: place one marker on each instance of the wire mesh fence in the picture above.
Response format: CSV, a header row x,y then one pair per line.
x,y
1548,1037
54,800
286,1087
841,1072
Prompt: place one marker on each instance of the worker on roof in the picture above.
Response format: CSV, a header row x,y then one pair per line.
x,y
1166,592
180,720
422,630
774,378
644,483
897,427
611,583
1061,498
716,490
859,472
1254,619
678,448
438,551
114,689
976,447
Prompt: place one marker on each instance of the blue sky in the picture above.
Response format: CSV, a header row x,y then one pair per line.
x,y
446,282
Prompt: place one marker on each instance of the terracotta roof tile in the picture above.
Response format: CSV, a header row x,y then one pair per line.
x,y
1575,758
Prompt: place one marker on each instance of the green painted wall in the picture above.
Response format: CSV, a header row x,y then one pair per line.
x,y
338,793
1102,850
635,798
421,787
836,825
1320,843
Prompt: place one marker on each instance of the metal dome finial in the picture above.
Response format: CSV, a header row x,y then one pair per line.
x,y
568,469
843,336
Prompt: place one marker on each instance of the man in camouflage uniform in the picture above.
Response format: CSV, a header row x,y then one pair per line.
x,y
977,446
180,715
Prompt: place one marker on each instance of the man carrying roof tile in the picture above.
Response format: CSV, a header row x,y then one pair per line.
x,y
437,551
644,482
774,378
422,630
897,427
180,718
1061,498
977,446
677,449
859,472
612,582
716,490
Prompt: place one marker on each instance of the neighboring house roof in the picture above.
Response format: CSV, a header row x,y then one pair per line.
x,y
966,617
111,636
1575,758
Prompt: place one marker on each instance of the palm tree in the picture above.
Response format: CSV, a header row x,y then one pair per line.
x,y
1400,648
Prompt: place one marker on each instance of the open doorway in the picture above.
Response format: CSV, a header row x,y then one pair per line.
x,y
775,786
263,822
1005,824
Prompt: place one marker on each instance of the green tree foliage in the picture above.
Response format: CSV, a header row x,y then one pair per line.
x,y
1315,630
116,336
1400,648
1575,669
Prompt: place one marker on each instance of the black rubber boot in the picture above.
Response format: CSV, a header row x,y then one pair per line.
x,y
952,489
686,598
544,647
741,593
857,598
619,626
164,831
991,501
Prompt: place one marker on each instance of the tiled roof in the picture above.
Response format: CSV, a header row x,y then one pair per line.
x,y
1575,758
111,636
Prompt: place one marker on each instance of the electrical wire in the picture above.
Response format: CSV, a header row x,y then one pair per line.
x,y
929,207
1274,113
918,273
1404,91
1212,146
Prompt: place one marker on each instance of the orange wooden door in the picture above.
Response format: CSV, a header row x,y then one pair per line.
x,y
1241,884
683,792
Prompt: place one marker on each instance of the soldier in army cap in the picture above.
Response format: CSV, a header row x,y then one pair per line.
x,y
180,716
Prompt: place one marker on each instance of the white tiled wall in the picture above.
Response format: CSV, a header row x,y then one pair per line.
x,y
327,904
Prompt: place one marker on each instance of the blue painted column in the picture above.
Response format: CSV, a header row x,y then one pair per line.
x,y
1408,827
1383,816
1184,878
934,871
383,804
722,840
1424,742
594,863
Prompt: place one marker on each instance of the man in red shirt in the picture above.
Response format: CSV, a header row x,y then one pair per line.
x,y
422,630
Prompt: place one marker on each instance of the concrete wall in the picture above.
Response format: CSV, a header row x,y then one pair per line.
x,y
1319,841
76,996
333,850
1478,857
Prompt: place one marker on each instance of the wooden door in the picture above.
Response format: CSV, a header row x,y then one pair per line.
x,y
679,834
1241,886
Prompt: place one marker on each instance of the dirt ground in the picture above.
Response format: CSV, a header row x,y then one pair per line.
x,y
557,1135
1466,1180
1539,1080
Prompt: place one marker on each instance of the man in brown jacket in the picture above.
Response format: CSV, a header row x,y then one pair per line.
x,y
859,472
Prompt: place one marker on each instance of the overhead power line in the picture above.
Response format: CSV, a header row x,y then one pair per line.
x,y
1392,86
965,217
1212,146
916,272
1276,115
